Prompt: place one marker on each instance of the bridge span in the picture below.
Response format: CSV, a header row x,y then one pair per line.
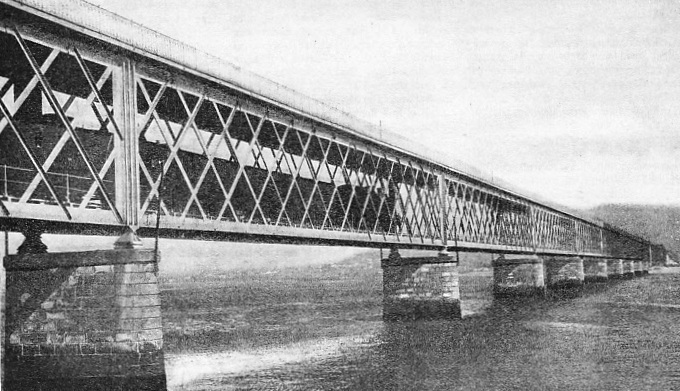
x,y
107,127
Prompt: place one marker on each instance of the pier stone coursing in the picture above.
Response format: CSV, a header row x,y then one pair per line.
x,y
628,268
83,320
595,269
420,288
615,268
638,267
518,275
563,270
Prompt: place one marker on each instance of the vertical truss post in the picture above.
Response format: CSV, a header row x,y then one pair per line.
x,y
576,235
533,228
127,165
601,242
443,193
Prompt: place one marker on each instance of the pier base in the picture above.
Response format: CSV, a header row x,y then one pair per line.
x,y
638,267
614,268
628,268
645,267
594,269
563,271
420,288
518,275
83,321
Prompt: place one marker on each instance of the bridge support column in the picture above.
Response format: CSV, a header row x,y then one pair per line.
x,y
614,268
83,320
594,269
518,275
628,268
420,288
638,267
563,271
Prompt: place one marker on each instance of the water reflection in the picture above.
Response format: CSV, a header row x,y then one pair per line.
x,y
194,370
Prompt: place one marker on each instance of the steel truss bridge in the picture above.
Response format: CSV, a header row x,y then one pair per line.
x,y
99,116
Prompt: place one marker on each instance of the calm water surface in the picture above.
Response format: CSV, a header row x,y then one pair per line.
x,y
615,336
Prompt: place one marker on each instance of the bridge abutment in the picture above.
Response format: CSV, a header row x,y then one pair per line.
x,y
83,320
518,275
614,268
563,271
595,269
420,288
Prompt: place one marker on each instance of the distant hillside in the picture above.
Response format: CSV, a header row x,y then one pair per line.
x,y
660,224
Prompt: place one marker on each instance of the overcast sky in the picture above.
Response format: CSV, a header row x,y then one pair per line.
x,y
576,101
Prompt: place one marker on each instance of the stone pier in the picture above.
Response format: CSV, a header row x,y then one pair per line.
x,y
614,268
420,288
638,267
595,269
563,271
628,268
518,275
83,321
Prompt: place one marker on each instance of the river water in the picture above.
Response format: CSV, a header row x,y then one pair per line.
x,y
622,335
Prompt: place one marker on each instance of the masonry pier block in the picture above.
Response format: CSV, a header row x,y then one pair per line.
x,y
628,268
563,271
614,268
638,267
645,267
420,288
83,321
594,269
518,275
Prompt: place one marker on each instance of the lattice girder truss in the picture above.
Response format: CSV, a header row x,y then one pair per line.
x,y
210,158
58,133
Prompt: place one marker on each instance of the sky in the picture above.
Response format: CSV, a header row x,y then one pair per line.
x,y
577,102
